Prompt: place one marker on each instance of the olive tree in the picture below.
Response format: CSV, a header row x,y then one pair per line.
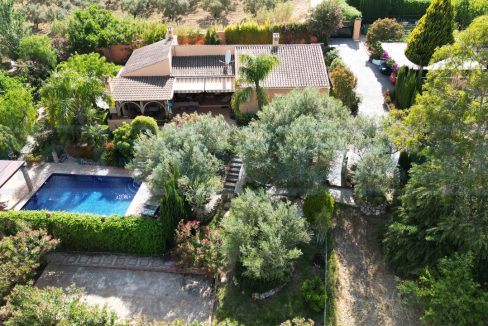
x,y
294,141
193,145
262,235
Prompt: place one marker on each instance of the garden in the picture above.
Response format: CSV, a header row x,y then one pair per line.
x,y
265,247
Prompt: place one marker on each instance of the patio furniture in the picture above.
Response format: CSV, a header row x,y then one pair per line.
x,y
150,209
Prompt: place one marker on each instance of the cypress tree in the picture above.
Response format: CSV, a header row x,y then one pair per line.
x,y
173,208
433,30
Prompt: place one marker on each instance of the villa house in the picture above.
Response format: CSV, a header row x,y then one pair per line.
x,y
165,78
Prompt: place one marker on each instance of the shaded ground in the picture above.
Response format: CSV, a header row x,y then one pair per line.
x,y
366,293
371,82
152,295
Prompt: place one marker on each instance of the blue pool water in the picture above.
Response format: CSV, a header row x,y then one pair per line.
x,y
99,195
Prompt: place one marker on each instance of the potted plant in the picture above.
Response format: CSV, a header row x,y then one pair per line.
x,y
376,52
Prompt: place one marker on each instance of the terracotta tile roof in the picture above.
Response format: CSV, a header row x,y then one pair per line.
x,y
142,88
301,65
199,66
148,55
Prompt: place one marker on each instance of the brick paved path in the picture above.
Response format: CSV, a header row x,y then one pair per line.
x,y
116,261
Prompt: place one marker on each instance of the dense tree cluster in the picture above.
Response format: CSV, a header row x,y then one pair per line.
x,y
444,205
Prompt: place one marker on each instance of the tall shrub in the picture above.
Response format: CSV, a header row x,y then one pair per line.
x,y
434,29
383,30
326,19
408,85
173,207
318,209
344,87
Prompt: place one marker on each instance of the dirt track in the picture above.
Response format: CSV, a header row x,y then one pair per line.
x,y
366,293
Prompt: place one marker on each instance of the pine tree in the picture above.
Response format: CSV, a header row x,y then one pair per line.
x,y
433,30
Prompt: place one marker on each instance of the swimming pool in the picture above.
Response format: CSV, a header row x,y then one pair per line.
x,y
99,195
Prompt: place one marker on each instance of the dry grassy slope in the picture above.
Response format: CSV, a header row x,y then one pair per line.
x,y
366,294
202,19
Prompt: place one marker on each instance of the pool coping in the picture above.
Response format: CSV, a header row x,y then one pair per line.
x,y
40,177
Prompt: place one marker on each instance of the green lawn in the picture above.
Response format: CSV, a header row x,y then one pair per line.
x,y
235,306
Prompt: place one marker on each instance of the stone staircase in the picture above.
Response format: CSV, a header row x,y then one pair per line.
x,y
232,177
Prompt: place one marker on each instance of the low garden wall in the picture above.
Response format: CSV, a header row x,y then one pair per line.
x,y
85,232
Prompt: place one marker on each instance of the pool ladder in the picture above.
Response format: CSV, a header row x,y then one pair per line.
x,y
133,187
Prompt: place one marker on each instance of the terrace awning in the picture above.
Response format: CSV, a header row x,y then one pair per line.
x,y
219,84
204,84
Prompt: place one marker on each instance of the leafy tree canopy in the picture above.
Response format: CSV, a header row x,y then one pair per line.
x,y
71,98
194,145
38,49
12,29
94,27
444,207
263,235
326,18
136,8
450,295
294,141
172,9
17,114
215,7
90,64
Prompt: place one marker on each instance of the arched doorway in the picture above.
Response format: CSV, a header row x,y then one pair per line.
x,y
154,109
130,110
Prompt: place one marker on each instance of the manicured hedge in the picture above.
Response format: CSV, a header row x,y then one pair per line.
x,y
374,9
409,9
249,33
84,232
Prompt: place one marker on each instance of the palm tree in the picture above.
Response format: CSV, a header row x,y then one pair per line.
x,y
70,99
252,71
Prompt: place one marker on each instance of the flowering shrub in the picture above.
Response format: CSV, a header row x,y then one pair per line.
x,y
199,247
27,305
20,256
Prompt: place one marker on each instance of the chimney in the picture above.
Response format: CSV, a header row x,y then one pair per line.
x,y
276,39
169,32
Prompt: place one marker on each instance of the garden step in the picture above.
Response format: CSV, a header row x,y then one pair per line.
x,y
232,178
230,185
236,160
235,169
233,173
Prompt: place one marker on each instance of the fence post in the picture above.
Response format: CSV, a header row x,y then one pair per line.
x,y
356,33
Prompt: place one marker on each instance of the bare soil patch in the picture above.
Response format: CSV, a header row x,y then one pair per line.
x,y
366,293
